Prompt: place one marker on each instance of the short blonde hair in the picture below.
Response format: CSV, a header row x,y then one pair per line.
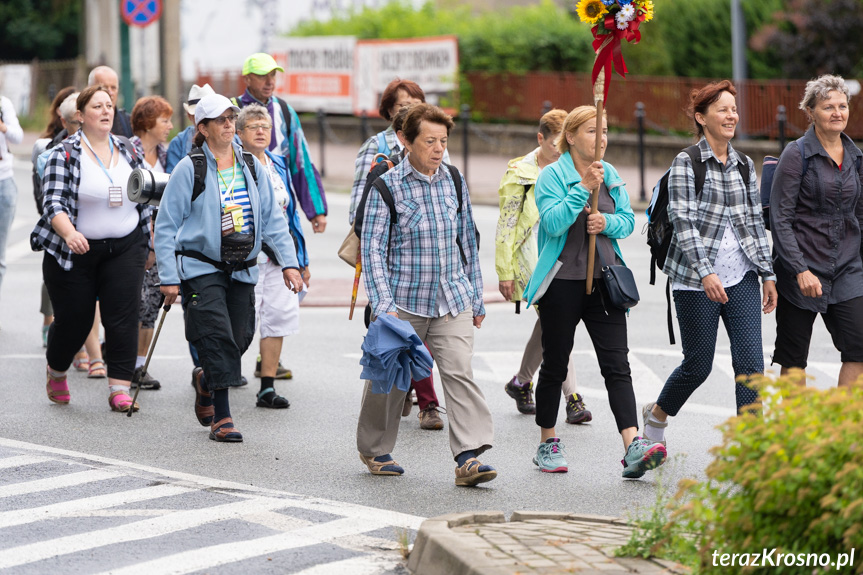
x,y
551,122
573,122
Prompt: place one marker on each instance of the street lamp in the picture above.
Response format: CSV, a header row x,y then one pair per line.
x,y
738,62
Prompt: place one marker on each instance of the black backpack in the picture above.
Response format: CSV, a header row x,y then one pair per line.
x,y
199,162
659,228
374,180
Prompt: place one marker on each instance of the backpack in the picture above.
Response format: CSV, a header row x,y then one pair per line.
x,y
383,147
659,228
199,163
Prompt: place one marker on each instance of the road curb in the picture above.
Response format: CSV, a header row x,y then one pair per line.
x,y
441,548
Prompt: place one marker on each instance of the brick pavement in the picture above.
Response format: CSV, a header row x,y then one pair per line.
x,y
484,543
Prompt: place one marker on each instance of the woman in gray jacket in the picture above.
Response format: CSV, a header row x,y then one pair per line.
x,y
207,243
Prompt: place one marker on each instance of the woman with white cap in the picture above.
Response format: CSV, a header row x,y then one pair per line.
x,y
182,142
207,242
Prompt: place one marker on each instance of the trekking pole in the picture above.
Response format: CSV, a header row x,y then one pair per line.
x,y
149,355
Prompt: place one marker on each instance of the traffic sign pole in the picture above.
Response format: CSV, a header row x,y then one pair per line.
x,y
127,88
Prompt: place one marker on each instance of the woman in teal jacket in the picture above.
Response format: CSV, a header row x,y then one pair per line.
x,y
558,287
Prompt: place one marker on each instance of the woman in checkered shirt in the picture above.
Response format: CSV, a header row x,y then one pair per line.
x,y
718,251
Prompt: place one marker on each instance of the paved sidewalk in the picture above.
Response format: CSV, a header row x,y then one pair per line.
x,y
484,543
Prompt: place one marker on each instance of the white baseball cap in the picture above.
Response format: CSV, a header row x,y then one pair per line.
x,y
212,106
195,95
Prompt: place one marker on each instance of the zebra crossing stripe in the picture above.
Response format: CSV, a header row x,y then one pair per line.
x,y
22,460
213,556
67,480
145,529
75,506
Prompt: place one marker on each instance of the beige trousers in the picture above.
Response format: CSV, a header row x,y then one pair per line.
x,y
532,359
450,340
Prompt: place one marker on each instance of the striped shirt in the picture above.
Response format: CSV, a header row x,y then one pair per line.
x,y
699,221
412,262
234,192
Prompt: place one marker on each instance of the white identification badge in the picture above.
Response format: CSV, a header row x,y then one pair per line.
x,y
115,196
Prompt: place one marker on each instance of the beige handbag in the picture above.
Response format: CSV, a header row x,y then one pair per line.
x,y
349,251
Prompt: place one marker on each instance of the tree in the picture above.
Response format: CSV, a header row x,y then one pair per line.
x,y
44,29
817,37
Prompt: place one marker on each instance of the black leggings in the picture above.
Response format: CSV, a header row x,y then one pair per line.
x,y
112,272
560,309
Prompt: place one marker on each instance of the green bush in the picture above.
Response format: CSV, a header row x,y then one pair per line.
x,y
791,479
542,36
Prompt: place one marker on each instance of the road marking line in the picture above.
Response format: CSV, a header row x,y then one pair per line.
x,y
213,556
197,482
21,460
59,482
145,529
366,565
76,506
277,521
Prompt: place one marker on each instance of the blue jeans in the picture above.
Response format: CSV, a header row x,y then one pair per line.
x,y
8,199
699,322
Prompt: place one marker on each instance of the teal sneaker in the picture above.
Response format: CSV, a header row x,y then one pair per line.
x,y
642,455
549,457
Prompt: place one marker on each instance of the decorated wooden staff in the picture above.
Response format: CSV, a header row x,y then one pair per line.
x,y
613,21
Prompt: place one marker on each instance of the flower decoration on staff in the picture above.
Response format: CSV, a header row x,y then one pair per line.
x,y
613,21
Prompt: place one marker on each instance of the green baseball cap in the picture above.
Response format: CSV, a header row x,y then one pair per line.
x,y
261,64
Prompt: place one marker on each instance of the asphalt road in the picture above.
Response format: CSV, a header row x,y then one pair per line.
x,y
309,449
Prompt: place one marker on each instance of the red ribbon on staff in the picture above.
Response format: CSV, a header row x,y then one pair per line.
x,y
612,53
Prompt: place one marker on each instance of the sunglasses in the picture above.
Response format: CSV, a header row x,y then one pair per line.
x,y
220,121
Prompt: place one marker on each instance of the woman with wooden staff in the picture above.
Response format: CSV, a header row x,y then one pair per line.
x,y
558,284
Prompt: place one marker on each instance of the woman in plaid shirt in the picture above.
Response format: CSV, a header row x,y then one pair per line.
x,y
718,251
95,243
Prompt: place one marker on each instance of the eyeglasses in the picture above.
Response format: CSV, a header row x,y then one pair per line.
x,y
220,121
258,127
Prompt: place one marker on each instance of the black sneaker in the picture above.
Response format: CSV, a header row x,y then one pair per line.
x,y
146,382
576,412
522,393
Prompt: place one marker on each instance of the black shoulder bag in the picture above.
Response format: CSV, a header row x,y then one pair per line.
x,y
620,284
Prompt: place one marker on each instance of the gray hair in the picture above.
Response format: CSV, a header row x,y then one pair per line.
x,y
820,88
91,79
252,112
68,107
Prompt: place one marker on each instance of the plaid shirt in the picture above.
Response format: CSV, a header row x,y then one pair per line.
x,y
60,183
699,222
363,164
407,264
161,151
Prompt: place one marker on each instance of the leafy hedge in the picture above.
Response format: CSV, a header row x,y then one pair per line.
x,y
790,480
685,38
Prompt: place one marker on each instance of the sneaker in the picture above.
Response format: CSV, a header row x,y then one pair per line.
x,y
658,425
575,410
522,393
146,382
281,372
430,417
549,457
642,455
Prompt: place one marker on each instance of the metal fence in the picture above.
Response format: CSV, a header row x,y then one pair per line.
x,y
518,97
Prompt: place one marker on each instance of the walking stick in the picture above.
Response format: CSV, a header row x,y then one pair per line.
x,y
359,269
598,98
149,355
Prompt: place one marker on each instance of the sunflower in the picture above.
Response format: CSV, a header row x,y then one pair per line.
x,y
591,11
646,8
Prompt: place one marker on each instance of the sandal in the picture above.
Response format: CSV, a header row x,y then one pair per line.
x,y
225,431
120,401
204,413
388,467
471,473
81,363
645,416
275,402
58,390
97,370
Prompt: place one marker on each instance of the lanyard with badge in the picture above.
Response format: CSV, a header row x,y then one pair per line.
x,y
115,193
232,213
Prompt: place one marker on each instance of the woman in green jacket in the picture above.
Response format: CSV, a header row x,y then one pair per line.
x,y
515,258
